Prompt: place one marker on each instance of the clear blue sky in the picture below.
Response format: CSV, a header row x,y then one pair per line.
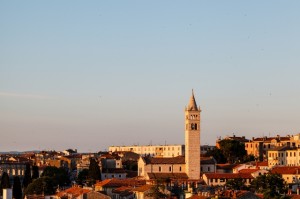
x,y
89,74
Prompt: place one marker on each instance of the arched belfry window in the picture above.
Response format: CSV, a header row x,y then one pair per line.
x,y
194,126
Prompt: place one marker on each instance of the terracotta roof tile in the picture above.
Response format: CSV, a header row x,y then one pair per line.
x,y
248,170
286,170
143,188
167,175
74,191
173,160
226,166
228,175
120,182
261,164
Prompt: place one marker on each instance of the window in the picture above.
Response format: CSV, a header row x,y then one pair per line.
x,y
119,176
159,169
208,168
193,126
170,168
179,168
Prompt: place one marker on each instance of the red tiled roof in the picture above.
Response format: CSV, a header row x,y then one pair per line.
x,y
286,170
173,160
74,191
103,182
269,139
120,182
248,170
226,166
121,189
294,196
143,188
228,175
167,175
261,164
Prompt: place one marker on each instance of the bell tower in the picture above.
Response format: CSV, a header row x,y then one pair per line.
x,y
192,139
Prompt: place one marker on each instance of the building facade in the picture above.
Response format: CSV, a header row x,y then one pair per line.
x,y
166,151
259,147
179,167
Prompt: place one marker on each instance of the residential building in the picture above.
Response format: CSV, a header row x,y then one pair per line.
x,y
208,165
259,146
291,174
220,179
151,150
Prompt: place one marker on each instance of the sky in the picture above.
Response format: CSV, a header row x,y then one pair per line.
x,y
90,74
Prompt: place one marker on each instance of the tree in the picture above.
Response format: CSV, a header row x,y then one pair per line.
x,y
271,185
248,158
233,150
35,172
236,184
130,165
4,181
27,176
94,171
218,155
177,190
17,188
43,185
58,175
82,176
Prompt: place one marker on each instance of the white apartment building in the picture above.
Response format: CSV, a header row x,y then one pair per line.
x,y
284,156
152,150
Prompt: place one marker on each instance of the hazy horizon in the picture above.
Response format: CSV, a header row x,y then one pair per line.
x,y
88,75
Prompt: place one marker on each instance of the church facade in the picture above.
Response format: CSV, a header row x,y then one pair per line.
x,y
181,167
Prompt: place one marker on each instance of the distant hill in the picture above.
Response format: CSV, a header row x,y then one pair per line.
x,y
19,152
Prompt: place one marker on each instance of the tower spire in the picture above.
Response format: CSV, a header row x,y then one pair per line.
x,y
192,104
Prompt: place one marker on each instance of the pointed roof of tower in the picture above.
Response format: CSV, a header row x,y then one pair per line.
x,y
192,104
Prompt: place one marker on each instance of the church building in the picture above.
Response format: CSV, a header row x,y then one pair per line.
x,y
185,168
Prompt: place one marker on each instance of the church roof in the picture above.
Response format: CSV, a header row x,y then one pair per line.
x,y
167,175
192,104
173,160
